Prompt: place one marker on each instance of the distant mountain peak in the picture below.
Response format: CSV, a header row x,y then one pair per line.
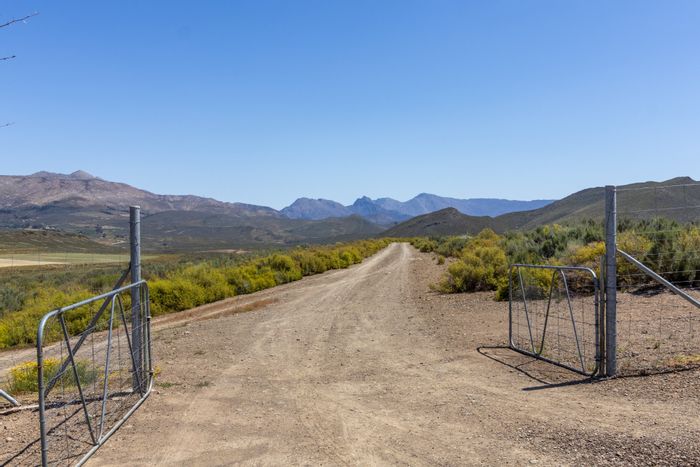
x,y
77,175
314,209
44,174
82,175
364,200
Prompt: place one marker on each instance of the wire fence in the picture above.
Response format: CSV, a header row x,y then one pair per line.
x,y
658,330
34,280
554,315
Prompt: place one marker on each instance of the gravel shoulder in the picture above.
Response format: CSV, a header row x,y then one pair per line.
x,y
367,366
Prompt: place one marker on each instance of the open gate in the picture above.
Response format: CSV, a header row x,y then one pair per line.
x,y
555,315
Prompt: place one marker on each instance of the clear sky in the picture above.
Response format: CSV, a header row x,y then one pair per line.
x,y
265,101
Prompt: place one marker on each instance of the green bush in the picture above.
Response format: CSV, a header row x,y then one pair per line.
x,y
176,283
663,244
586,255
426,245
24,378
285,269
176,294
12,298
479,268
536,281
19,328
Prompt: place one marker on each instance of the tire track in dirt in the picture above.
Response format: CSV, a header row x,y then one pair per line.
x,y
364,367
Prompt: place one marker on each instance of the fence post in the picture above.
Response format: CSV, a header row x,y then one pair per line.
x,y
136,325
610,280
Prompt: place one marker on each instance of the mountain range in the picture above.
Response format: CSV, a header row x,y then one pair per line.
x,y
80,190
677,198
388,211
83,204
80,203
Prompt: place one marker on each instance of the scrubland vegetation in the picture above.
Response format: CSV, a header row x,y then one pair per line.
x,y
176,283
208,281
480,262
24,378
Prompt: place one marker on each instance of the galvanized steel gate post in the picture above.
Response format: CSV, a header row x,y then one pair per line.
x,y
136,325
610,280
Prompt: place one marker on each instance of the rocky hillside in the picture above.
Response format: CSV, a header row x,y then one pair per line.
x,y
314,209
82,190
80,203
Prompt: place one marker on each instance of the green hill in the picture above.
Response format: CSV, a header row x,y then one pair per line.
x,y
192,230
677,198
17,241
447,221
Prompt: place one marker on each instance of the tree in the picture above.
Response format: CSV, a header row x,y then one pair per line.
x,y
10,57
10,23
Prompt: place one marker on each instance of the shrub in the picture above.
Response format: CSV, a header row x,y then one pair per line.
x,y
24,378
451,246
285,269
587,255
310,262
12,298
175,294
20,327
211,280
536,281
689,253
424,245
480,268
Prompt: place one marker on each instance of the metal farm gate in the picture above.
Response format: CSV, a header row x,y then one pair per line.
x,y
554,315
641,313
95,378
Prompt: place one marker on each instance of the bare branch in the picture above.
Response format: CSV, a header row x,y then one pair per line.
x,y
18,20
10,57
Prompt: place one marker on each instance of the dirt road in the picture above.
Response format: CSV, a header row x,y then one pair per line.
x,y
365,366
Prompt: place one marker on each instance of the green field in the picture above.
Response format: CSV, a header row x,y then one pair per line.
x,y
25,248
44,258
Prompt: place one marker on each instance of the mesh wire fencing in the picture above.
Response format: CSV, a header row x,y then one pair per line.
x,y
657,328
32,280
555,315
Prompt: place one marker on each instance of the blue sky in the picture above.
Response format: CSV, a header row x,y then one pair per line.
x,y
265,101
